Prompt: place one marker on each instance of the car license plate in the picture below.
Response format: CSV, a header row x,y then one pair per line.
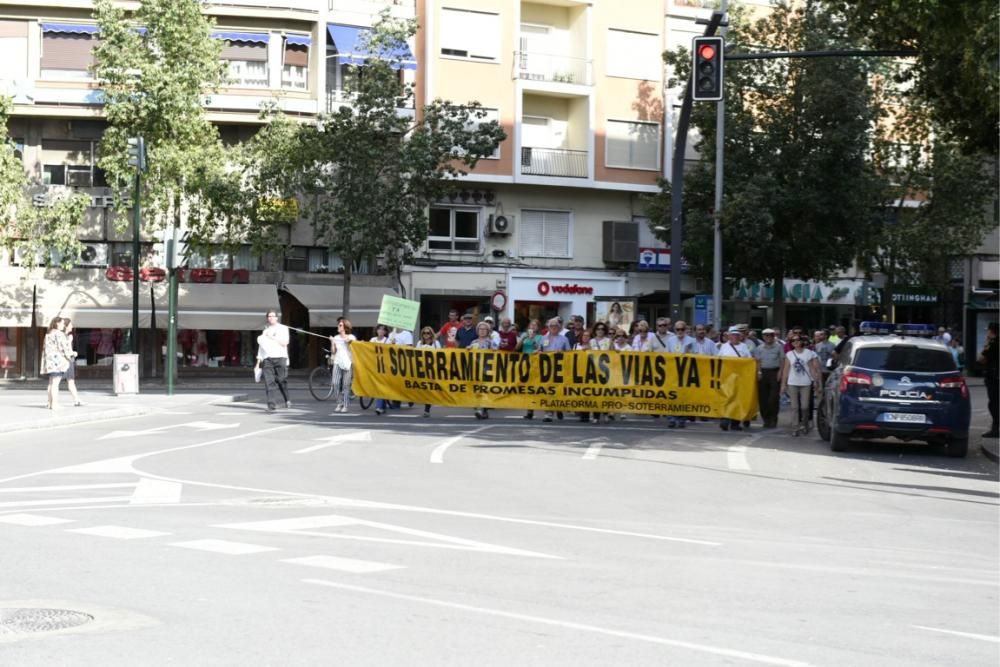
x,y
905,417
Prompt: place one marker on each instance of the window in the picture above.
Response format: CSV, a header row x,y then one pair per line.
x,y
67,50
492,115
14,46
632,145
295,68
297,259
318,261
454,229
634,55
71,162
544,234
246,55
473,35
904,359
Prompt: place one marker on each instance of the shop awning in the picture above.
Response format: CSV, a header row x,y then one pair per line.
x,y
349,43
15,301
96,305
221,307
326,303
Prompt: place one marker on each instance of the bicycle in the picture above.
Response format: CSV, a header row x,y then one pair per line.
x,y
321,384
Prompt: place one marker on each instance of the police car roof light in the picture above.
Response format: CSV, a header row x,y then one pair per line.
x,y
874,327
910,329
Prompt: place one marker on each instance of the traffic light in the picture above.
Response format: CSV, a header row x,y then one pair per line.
x,y
707,69
137,153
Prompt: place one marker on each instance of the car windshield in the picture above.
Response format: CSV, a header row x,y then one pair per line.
x,y
906,358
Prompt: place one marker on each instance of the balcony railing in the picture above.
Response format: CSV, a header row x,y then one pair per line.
x,y
553,162
552,68
400,9
339,97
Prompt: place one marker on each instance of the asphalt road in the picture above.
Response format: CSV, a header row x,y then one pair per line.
x,y
219,534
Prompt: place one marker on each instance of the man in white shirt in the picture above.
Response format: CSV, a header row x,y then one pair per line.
x,y
681,343
662,336
404,337
702,343
494,335
272,359
734,347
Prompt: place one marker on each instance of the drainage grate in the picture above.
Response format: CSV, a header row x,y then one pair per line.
x,y
22,621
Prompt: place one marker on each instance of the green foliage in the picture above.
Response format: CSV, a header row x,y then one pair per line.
x,y
154,85
44,234
797,187
956,69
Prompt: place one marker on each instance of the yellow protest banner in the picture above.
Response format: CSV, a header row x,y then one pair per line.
x,y
583,381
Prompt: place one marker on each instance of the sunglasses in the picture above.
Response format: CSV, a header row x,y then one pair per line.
x,y
680,329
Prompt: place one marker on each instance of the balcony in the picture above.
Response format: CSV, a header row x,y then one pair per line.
x,y
339,97
553,162
551,68
364,12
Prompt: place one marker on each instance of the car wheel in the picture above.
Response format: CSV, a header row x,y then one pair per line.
x,y
958,447
822,426
839,441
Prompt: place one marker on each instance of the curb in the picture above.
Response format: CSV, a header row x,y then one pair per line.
x,y
991,453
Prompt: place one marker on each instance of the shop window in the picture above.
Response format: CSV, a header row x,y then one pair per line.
x,y
454,229
8,351
545,234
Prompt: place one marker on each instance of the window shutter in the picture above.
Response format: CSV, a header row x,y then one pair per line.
x,y
70,51
633,54
645,148
297,55
453,31
14,46
530,236
13,29
251,51
617,145
556,234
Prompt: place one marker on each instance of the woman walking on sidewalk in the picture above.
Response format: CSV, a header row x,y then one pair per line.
x,y
71,370
55,359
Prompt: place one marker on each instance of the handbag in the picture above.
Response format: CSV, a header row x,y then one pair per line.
x,y
258,373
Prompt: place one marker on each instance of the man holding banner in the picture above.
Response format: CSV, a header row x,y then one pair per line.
x,y
553,341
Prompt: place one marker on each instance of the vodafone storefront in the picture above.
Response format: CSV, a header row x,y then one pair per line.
x,y
544,294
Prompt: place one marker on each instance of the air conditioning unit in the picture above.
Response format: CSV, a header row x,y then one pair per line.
x,y
94,254
621,242
500,225
20,254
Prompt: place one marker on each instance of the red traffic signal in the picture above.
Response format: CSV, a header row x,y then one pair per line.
x,y
706,69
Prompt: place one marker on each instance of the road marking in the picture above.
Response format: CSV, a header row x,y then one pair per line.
x,y
968,635
593,450
736,455
67,487
664,641
460,416
304,526
340,439
117,532
156,492
63,501
437,456
198,425
32,520
223,547
343,564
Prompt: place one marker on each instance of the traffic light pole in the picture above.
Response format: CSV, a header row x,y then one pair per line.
x,y
136,219
677,188
720,134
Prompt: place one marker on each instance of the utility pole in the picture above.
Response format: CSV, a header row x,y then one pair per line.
x,y
137,159
720,131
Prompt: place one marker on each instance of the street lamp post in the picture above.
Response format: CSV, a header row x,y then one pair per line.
x,y
137,159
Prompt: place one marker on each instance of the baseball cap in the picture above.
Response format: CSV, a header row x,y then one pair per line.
x,y
768,331
488,318
735,329
467,316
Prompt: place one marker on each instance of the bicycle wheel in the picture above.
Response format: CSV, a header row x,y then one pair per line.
x,y
365,402
321,383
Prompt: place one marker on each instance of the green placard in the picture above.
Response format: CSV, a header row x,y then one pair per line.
x,y
399,313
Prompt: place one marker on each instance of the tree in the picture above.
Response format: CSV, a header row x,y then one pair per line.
x,y
43,234
368,171
798,191
154,68
955,71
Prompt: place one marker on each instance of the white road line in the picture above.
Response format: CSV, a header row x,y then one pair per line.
x,y
32,520
593,450
736,458
117,532
156,492
968,635
63,501
343,564
664,641
223,547
339,439
67,487
437,456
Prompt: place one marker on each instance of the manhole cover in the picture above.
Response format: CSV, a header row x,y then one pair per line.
x,y
20,621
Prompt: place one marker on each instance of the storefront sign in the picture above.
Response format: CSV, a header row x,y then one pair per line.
x,y
398,313
592,381
657,259
795,291
42,200
544,288
156,274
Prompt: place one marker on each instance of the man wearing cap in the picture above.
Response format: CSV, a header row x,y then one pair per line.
x,y
770,356
494,336
733,347
467,333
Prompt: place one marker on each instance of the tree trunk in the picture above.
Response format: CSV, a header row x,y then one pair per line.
x,y
348,269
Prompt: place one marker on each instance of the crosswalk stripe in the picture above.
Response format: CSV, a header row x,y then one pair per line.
x,y
224,547
343,564
117,532
32,520
63,501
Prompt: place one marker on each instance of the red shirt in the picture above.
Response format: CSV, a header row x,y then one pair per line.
x,y
447,327
508,340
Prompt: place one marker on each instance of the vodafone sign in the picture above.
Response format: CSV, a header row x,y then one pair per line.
x,y
544,288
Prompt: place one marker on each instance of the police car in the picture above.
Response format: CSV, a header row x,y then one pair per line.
x,y
893,381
